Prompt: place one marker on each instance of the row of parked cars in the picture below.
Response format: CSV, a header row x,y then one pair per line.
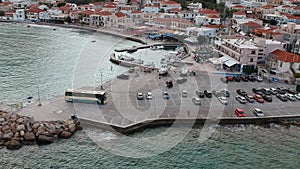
x,y
256,111
244,78
265,94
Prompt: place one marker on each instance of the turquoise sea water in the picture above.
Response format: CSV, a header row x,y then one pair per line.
x,y
64,58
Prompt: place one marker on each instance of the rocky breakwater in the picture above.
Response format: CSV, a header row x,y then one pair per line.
x,y
17,130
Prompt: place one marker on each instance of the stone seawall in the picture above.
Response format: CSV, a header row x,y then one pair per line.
x,y
190,122
17,130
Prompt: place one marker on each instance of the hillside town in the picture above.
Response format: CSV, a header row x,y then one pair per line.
x,y
256,34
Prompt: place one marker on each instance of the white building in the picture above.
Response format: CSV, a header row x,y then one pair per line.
x,y
167,5
150,8
19,15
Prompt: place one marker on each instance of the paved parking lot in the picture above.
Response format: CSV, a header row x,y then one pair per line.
x,y
123,108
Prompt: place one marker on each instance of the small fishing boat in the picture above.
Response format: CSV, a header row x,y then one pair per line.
x,y
125,57
156,47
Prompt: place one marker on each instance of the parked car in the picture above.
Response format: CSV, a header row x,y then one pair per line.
x,y
291,97
257,91
245,78
123,76
237,78
281,90
273,91
241,99
240,112
267,98
252,78
166,95
169,83
258,112
149,96
229,78
292,91
181,80
200,93
259,79
258,98
249,98
266,91
140,96
241,92
184,93
225,93
282,97
297,96
196,101
216,93
207,94
223,100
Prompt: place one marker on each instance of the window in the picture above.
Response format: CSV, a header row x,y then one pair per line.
x,y
280,64
253,52
251,60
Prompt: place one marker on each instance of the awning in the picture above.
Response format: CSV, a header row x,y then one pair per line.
x,y
224,58
228,61
215,61
231,62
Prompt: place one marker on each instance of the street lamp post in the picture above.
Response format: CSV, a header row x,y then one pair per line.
x,y
101,82
40,104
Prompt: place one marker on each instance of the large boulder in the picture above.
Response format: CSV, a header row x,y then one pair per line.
x,y
29,136
8,136
65,135
42,139
13,145
21,127
72,128
20,120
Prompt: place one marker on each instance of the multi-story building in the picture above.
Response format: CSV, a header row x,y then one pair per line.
x,y
248,51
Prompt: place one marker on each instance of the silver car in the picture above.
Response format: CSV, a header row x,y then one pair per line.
x,y
223,100
258,112
196,100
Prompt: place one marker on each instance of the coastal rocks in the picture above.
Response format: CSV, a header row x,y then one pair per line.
x,y
17,130
13,145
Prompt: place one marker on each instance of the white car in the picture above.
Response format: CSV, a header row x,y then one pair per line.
x,y
196,100
223,100
149,96
258,112
241,99
273,91
140,96
184,93
297,96
259,79
291,97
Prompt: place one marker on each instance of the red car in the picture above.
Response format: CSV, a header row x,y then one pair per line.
x,y
258,98
229,78
239,112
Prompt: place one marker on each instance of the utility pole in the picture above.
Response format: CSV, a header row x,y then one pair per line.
x,y
101,82
38,86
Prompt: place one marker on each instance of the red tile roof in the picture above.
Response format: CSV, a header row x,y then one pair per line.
x,y
103,13
239,13
109,6
174,10
286,56
119,14
252,24
34,10
136,12
238,6
87,12
267,7
214,26
170,3
213,16
206,11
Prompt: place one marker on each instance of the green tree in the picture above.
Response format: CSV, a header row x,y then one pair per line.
x,y
68,19
273,22
297,75
2,13
61,4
